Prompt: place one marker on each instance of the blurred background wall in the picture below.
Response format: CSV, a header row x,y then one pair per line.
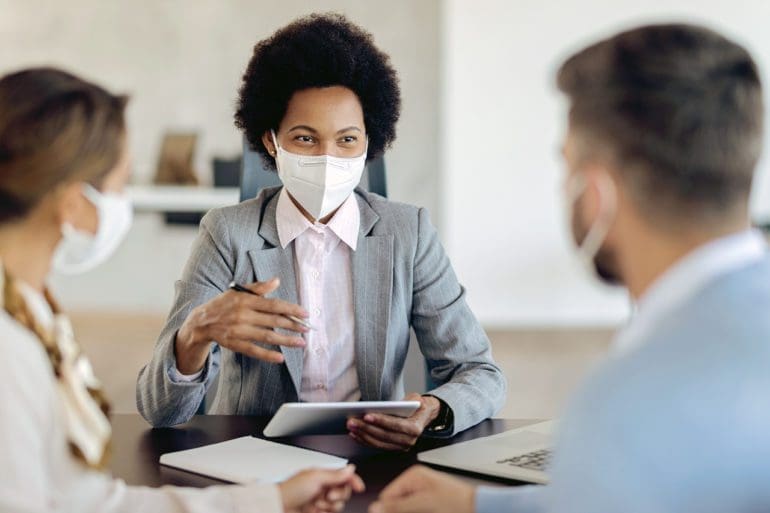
x,y
182,61
478,145
505,225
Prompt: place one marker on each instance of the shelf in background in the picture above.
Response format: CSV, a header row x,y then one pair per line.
x,y
181,198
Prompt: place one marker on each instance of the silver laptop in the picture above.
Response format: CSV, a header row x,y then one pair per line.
x,y
521,454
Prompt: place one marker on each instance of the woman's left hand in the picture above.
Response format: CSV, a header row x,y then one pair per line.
x,y
395,433
320,491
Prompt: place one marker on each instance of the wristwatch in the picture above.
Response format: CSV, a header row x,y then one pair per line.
x,y
445,420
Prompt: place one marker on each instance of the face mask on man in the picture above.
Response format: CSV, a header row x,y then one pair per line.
x,y
589,248
319,183
80,251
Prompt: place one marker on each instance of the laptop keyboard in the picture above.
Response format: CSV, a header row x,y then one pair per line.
x,y
536,460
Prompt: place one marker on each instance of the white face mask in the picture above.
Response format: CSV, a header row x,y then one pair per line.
x,y
80,251
319,183
589,247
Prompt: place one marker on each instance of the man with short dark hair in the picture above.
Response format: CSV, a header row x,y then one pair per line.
x,y
665,129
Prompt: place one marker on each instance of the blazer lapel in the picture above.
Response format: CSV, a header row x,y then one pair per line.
x,y
372,269
274,261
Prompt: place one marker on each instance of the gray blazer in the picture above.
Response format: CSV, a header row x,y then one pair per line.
x,y
402,279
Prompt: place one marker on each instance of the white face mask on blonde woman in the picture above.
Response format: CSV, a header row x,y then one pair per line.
x,y
80,251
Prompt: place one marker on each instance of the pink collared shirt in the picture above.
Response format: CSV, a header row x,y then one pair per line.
x,y
325,286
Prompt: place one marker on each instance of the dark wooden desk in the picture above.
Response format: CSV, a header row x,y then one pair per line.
x,y
137,449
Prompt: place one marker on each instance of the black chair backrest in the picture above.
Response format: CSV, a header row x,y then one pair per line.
x,y
227,172
255,176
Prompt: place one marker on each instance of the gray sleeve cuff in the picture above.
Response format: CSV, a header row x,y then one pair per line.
x,y
520,499
177,377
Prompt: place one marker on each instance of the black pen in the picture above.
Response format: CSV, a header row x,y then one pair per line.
x,y
241,288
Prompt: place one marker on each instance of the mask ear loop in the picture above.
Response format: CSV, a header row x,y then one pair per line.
x,y
94,196
275,140
608,206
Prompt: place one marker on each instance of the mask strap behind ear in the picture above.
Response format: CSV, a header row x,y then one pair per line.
x,y
576,184
93,194
608,206
275,139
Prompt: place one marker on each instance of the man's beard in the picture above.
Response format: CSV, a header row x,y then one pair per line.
x,y
605,267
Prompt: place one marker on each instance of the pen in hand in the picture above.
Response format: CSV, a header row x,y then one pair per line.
x,y
241,288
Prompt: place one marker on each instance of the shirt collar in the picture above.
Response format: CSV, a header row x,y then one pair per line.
x,y
291,223
683,280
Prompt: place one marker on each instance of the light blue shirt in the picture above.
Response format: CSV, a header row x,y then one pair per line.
x,y
678,418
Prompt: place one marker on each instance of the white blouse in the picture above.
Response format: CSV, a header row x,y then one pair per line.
x,y
38,472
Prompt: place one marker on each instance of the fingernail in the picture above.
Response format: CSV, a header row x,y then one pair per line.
x,y
375,508
368,418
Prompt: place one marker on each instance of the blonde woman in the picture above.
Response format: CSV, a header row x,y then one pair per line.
x,y
63,166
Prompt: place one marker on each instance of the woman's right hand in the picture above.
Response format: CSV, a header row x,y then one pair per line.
x,y
236,320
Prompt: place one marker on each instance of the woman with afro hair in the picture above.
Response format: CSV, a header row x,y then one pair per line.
x,y
318,101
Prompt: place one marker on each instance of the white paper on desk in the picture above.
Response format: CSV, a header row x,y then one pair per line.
x,y
249,459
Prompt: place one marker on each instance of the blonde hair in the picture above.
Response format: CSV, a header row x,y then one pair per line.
x,y
55,128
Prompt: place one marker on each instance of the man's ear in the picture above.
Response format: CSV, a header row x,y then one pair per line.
x,y
603,186
267,142
600,192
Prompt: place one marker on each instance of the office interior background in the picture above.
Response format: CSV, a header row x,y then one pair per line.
x,y
478,145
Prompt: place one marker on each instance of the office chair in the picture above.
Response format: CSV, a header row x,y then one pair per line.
x,y
255,176
227,171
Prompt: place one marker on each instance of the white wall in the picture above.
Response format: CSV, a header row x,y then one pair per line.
x,y
182,61
494,186
503,123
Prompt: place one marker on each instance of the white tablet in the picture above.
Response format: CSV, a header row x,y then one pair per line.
x,y
293,419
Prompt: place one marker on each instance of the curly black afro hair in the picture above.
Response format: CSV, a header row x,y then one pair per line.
x,y
319,50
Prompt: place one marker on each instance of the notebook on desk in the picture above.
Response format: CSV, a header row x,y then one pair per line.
x,y
249,459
